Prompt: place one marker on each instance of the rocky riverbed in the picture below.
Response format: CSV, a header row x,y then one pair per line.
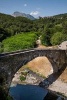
x,y
30,78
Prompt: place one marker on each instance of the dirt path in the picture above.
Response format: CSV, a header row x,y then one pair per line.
x,y
39,44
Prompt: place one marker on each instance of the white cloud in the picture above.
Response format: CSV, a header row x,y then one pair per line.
x,y
34,13
25,5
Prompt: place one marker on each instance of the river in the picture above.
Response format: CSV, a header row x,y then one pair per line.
x,y
27,92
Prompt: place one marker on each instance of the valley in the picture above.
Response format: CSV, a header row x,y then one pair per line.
x,y
23,39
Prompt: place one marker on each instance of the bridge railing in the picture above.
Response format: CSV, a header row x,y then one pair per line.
x,y
26,50
13,52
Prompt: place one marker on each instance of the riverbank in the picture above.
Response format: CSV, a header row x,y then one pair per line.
x,y
59,87
30,78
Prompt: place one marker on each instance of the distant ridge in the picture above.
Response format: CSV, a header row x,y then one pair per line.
x,y
17,14
60,16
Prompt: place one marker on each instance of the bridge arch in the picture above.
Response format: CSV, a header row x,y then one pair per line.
x,y
10,63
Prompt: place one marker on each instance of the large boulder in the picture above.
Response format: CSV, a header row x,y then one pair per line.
x,y
63,45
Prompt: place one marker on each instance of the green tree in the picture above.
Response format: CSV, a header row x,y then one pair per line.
x,y
19,42
57,38
46,36
64,27
3,34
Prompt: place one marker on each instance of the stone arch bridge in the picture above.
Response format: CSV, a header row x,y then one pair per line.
x,y
10,63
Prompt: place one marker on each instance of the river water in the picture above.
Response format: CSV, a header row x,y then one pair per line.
x,y
27,92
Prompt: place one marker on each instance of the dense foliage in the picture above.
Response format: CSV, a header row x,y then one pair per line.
x,y
19,42
57,38
53,31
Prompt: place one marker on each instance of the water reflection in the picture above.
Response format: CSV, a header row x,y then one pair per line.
x,y
27,92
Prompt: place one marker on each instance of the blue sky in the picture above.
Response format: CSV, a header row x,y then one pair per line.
x,y
34,7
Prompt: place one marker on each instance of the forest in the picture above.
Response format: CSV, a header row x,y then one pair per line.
x,y
18,33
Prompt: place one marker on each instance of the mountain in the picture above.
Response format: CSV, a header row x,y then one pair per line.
x,y
61,15
16,14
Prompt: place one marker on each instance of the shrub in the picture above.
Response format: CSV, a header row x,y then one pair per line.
x,y
57,38
19,42
22,78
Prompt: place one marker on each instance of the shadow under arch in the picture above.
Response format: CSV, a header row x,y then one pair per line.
x,y
10,63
